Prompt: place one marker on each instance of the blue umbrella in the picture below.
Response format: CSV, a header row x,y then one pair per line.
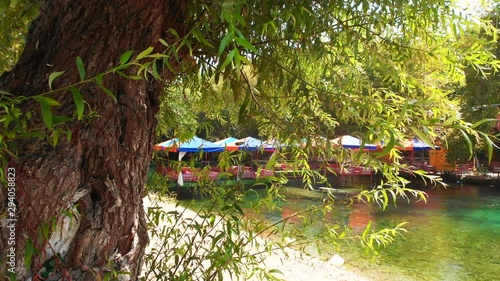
x,y
348,141
195,144
226,140
247,143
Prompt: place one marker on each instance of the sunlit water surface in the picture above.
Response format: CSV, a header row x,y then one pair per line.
x,y
454,236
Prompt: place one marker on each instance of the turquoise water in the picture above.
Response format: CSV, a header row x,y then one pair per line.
x,y
455,236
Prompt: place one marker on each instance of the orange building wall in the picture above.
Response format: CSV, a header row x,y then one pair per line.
x,y
437,158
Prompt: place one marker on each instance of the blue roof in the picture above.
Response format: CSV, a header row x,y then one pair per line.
x,y
226,140
195,144
247,143
420,145
348,141
250,143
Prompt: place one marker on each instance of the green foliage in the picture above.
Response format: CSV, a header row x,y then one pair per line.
x,y
14,126
223,237
478,100
202,245
15,121
299,75
382,71
461,148
15,16
176,114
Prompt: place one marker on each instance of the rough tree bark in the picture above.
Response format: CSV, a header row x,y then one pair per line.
x,y
109,155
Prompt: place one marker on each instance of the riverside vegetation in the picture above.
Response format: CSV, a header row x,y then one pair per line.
x,y
88,87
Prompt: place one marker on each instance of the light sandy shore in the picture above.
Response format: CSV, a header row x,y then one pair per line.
x,y
294,265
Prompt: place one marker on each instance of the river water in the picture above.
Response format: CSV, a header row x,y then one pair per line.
x,y
454,236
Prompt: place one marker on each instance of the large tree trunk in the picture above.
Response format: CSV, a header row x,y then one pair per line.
x,y
109,155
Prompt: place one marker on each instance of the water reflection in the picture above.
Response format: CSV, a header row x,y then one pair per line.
x,y
454,236
360,215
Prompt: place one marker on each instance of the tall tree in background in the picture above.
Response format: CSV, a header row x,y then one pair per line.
x,y
478,99
314,63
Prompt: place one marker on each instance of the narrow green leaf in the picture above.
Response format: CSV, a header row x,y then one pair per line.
x,y
239,33
45,231
367,229
68,135
29,249
168,65
81,68
107,91
99,78
489,144
242,115
155,70
125,57
450,121
390,144
386,200
122,74
173,52
53,76
245,44
197,34
47,100
179,47
5,93
469,143
77,97
120,67
12,276
401,224
478,123
229,58
238,208
45,109
239,19
190,48
225,41
60,119
159,56
163,42
422,136
237,63
144,53
174,32
55,137
275,271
